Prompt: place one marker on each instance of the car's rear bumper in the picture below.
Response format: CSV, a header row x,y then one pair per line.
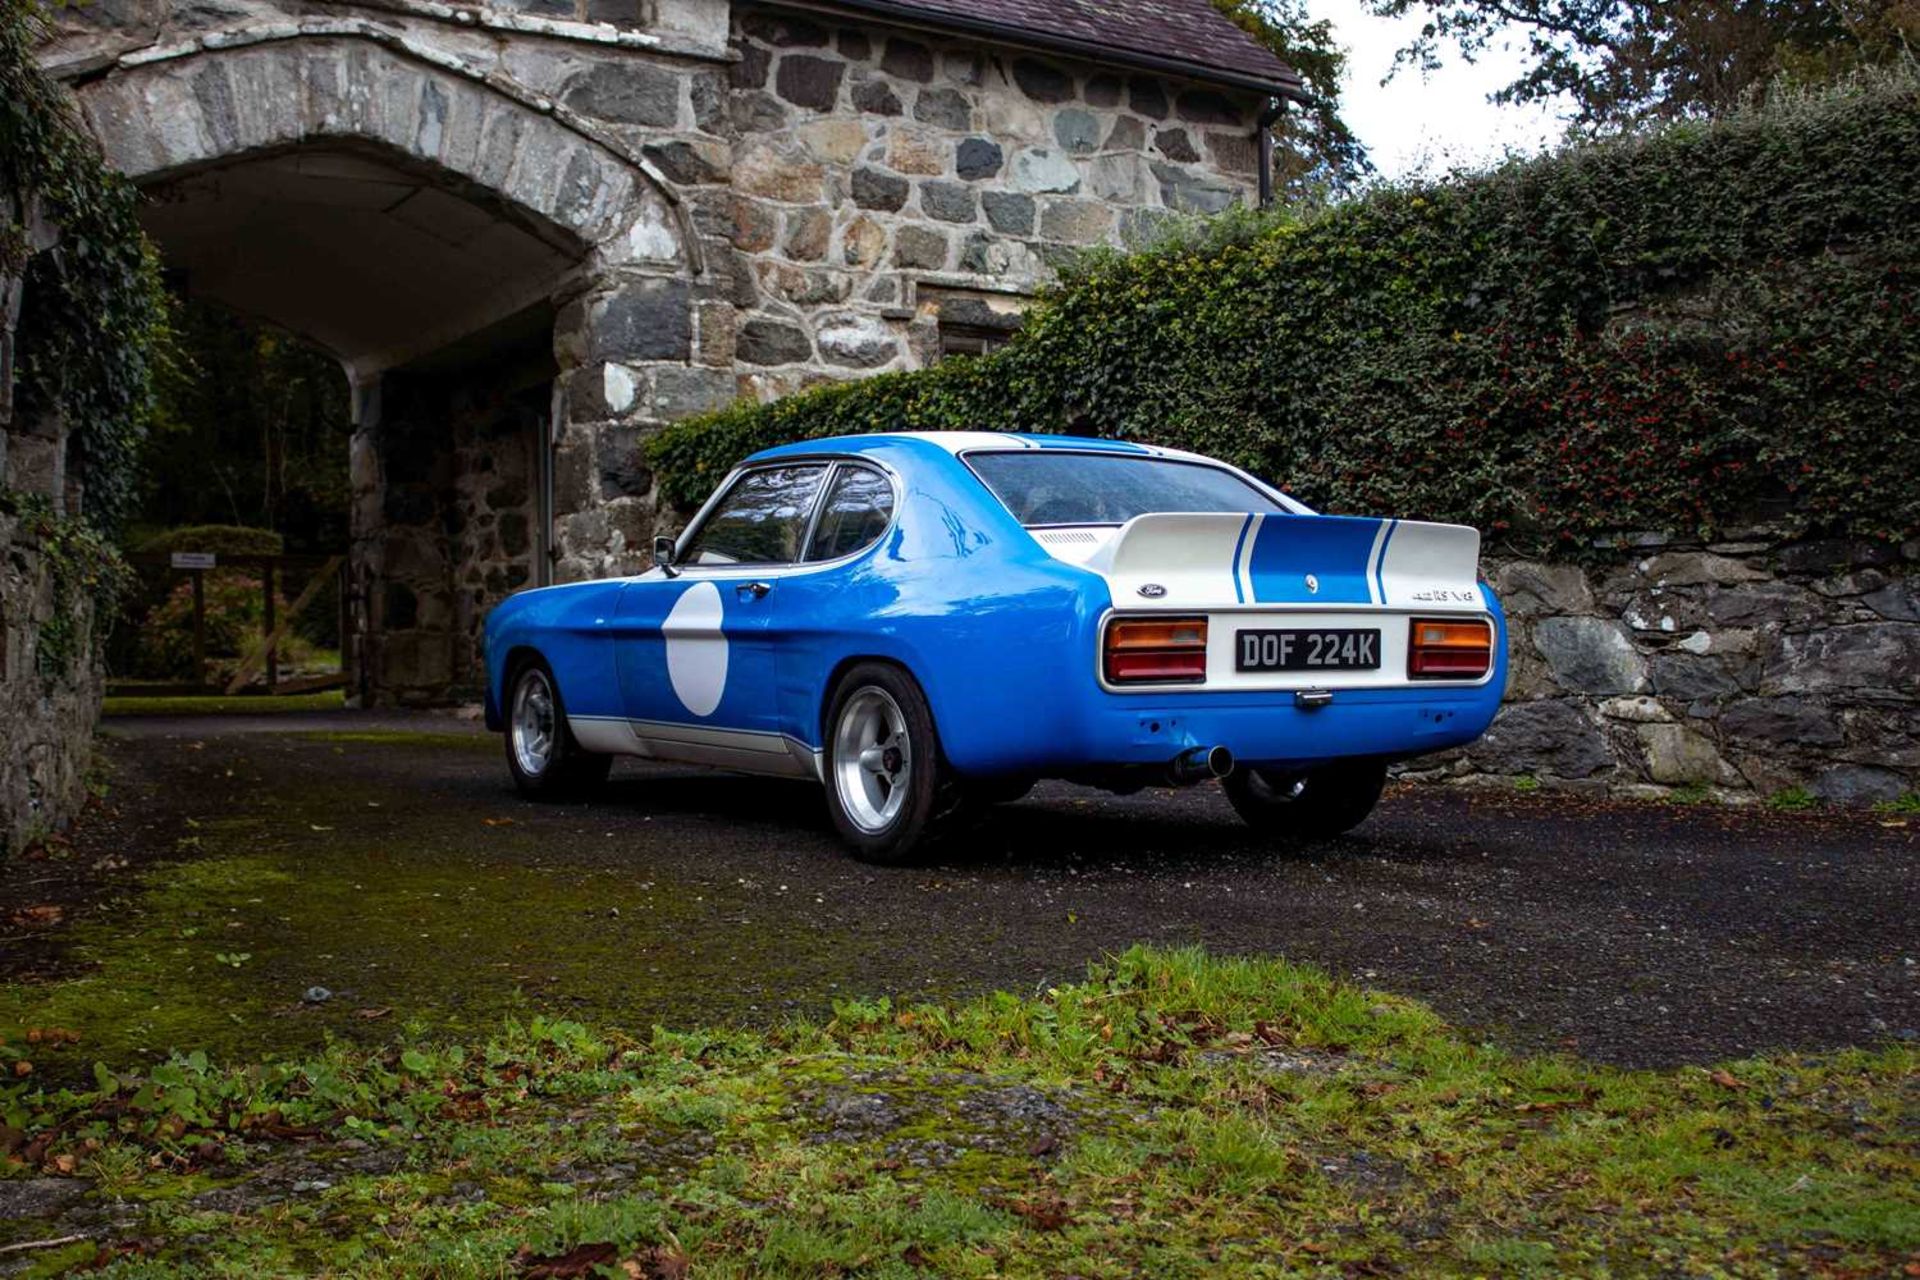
x,y
1272,730
1103,731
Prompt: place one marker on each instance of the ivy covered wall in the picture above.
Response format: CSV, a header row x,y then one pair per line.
x,y
81,315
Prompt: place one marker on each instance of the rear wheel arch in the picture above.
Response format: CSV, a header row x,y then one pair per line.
x,y
823,710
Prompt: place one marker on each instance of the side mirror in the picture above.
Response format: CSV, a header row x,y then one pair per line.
x,y
663,555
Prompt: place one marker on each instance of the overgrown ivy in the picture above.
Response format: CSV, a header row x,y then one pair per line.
x,y
1692,331
89,576
93,316
94,312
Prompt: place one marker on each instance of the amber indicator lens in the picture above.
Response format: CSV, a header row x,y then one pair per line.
x,y
1156,651
1445,649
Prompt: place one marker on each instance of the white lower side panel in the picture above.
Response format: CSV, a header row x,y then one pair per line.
x,y
773,754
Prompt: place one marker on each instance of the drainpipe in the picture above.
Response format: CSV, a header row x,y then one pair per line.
x,y
543,552
1276,107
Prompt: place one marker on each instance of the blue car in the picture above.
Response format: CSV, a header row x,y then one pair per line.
x,y
927,623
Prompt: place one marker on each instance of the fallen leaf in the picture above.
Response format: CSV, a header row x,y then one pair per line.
x,y
1046,1212
1725,1079
662,1262
580,1261
46,913
369,1015
498,822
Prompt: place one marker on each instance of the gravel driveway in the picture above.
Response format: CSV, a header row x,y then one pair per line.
x,y
1624,932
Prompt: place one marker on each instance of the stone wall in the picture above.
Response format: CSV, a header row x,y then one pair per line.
x,y
1740,668
446,485
51,680
874,168
49,695
494,513
852,187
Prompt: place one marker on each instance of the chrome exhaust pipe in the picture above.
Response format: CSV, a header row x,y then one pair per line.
x,y
1197,764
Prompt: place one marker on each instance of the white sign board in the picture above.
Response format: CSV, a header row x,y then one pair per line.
x,y
193,559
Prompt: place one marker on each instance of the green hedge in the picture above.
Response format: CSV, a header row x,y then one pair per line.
x,y
222,539
1691,331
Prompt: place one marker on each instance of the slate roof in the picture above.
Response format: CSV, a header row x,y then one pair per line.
x,y
1190,37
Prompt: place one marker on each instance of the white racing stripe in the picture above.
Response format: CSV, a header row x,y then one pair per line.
x,y
1373,561
1243,561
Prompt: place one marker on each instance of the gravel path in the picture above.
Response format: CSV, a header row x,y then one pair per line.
x,y
1628,933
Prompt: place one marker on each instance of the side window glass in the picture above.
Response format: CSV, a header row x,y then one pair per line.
x,y
858,508
761,520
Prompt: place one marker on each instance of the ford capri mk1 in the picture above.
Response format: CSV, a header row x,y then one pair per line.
x,y
929,623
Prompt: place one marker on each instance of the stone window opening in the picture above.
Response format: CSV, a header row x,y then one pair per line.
x,y
970,322
970,340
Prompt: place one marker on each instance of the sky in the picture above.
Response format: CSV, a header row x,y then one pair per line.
x,y
1436,121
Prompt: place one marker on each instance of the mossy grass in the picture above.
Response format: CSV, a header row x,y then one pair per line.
x,y
1793,800
1174,1114
449,926
430,739
253,705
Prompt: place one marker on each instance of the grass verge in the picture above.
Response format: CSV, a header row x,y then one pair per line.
x,y
251,704
1174,1114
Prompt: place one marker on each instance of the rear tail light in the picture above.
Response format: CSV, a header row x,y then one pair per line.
x,y
1156,651
1447,649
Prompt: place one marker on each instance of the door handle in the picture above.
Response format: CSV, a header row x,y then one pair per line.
x,y
757,590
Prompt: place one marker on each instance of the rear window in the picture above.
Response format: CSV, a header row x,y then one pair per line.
x,y
1103,488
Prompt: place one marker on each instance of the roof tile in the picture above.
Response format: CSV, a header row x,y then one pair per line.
x,y
1190,32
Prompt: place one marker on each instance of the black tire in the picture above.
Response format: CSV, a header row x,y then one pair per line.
x,y
877,827
1315,805
562,771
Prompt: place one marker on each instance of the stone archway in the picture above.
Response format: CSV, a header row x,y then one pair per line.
x,y
169,109
460,245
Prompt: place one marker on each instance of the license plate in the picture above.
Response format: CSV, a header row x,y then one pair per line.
x,y
1326,650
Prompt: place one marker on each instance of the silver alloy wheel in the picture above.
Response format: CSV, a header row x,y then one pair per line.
x,y
533,722
872,759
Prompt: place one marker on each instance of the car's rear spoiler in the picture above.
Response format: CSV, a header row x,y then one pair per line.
x,y
1182,560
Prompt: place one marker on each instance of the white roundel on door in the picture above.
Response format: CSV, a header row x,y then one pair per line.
x,y
697,648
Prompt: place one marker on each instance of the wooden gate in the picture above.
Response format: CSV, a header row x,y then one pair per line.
x,y
259,666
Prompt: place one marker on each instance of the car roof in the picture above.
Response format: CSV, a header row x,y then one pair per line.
x,y
957,442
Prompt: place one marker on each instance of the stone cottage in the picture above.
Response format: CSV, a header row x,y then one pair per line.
x,y
532,232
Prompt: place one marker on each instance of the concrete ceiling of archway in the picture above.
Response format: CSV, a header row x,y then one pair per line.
x,y
379,264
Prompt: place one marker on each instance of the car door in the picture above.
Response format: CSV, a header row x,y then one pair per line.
x,y
693,651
